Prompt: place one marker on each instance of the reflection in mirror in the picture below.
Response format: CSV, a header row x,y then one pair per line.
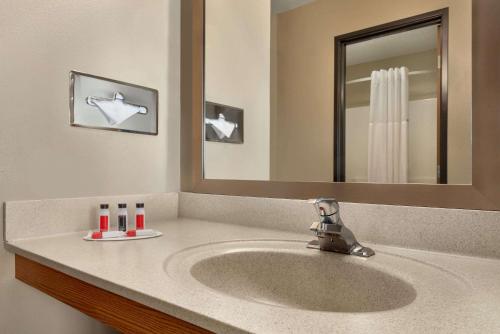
x,y
404,102
391,124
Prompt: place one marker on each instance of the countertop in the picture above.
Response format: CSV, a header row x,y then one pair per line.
x,y
136,270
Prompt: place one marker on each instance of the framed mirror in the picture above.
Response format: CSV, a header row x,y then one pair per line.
x,y
312,80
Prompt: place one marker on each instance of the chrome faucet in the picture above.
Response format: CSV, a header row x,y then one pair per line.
x,y
333,235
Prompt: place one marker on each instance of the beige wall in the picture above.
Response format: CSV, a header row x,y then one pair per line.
x,y
41,156
306,80
274,126
237,73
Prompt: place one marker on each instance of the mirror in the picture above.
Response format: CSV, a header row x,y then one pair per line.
x,y
338,91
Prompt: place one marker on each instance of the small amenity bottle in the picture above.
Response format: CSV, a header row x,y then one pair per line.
x,y
140,216
104,218
122,217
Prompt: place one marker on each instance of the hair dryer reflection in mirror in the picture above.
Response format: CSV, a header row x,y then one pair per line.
x,y
223,123
222,128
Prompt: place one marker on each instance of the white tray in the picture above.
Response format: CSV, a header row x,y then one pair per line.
x,y
88,237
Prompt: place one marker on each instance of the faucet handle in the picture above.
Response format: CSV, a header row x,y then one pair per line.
x,y
325,206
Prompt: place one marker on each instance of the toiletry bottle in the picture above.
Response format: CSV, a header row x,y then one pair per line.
x,y
104,218
140,213
122,217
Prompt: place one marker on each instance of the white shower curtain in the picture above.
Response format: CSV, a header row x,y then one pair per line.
x,y
388,129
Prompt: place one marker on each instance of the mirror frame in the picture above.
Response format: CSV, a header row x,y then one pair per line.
x,y
439,17
483,193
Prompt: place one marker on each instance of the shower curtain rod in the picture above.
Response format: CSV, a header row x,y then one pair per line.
x,y
409,73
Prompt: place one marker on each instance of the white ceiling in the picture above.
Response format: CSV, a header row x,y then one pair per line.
x,y
279,6
404,43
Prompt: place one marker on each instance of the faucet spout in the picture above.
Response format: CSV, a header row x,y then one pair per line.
x,y
333,235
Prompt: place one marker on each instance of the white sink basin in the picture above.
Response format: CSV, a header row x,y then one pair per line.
x,y
286,274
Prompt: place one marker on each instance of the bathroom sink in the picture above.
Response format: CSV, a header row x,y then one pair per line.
x,y
321,283
286,274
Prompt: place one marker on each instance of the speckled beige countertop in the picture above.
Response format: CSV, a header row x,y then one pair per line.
x,y
454,294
